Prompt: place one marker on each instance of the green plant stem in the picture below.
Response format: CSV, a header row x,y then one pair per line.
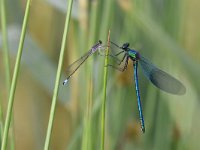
x,y
15,76
6,63
104,97
86,140
93,22
57,82
95,109
1,119
108,6
5,45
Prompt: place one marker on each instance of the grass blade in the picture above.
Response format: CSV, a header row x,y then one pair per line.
x,y
5,45
15,76
38,61
57,82
86,138
104,97
6,63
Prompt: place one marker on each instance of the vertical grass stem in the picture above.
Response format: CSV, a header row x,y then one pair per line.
x,y
15,76
104,95
57,81
6,64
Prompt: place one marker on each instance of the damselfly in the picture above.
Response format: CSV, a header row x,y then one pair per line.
x,y
75,65
159,78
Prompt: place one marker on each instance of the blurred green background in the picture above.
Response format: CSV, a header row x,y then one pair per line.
x,y
165,31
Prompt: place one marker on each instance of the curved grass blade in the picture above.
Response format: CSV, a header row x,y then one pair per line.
x,y
75,65
161,79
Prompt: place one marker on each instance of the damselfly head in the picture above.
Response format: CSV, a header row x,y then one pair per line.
x,y
125,46
100,42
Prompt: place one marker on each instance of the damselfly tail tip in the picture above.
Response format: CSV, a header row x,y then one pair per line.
x,y
65,82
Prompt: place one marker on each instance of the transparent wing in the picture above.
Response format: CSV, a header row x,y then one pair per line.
x,y
75,65
161,79
116,51
113,52
101,50
112,49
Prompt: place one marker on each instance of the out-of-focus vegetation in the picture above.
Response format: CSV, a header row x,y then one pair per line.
x,y
164,31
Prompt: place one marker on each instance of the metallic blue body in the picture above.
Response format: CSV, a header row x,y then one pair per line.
x,y
138,96
134,56
159,78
